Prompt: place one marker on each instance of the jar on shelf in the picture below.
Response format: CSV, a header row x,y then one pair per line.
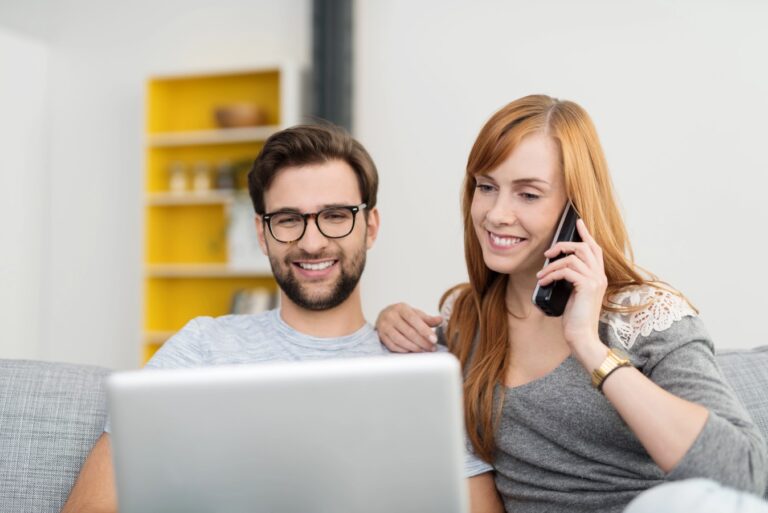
x,y
177,177
201,181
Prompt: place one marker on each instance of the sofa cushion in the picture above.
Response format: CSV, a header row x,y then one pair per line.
x,y
50,416
747,372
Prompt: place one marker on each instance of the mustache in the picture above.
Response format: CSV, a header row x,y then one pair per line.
x,y
300,254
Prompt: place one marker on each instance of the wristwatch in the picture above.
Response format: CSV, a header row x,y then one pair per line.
x,y
615,359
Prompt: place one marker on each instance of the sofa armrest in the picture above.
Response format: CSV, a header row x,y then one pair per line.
x,y
747,372
51,414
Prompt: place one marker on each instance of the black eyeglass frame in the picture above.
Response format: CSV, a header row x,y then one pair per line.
x,y
354,209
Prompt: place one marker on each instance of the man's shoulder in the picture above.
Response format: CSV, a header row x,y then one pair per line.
x,y
231,323
205,340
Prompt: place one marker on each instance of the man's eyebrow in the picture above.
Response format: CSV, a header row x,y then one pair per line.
x,y
295,210
285,209
334,205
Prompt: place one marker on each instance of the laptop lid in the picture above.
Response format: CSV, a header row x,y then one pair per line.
x,y
361,435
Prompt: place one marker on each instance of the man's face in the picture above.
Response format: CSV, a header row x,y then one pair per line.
x,y
317,272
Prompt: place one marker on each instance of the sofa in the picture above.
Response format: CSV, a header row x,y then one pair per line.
x,y
52,413
50,416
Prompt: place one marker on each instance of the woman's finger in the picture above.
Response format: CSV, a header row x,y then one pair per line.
x,y
581,226
414,329
565,273
395,341
580,249
419,321
571,261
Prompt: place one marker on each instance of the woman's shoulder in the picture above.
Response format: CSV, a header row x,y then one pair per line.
x,y
640,310
448,301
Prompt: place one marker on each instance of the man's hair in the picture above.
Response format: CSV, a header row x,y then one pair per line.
x,y
303,145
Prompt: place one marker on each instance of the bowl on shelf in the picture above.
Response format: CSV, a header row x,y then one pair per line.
x,y
239,115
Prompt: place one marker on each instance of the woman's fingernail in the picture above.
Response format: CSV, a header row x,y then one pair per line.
x,y
433,338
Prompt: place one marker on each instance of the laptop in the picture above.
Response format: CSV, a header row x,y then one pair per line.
x,y
360,435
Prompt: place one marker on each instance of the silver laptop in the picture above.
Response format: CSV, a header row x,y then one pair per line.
x,y
361,435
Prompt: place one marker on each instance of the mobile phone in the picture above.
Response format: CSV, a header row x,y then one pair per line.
x,y
552,298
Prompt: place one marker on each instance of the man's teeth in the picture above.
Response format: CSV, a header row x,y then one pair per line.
x,y
316,267
505,241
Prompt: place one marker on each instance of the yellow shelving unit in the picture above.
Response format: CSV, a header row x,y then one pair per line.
x,y
188,268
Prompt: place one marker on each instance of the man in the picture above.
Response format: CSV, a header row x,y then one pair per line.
x,y
314,192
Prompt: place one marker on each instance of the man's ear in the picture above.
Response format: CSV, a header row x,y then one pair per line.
x,y
260,231
373,227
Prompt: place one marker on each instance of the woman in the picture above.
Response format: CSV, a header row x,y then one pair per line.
x,y
569,421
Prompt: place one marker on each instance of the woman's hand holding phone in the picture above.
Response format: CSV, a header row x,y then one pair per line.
x,y
583,268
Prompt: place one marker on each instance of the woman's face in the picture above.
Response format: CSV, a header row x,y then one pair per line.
x,y
516,207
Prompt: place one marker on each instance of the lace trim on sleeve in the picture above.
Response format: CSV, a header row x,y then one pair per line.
x,y
663,309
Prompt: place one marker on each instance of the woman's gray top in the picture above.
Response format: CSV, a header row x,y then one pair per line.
x,y
561,446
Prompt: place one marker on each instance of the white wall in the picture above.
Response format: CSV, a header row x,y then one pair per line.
x,y
23,71
102,52
678,91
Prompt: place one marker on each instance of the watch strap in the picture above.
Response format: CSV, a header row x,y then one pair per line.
x,y
612,362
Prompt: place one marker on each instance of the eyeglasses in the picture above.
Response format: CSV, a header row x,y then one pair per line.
x,y
333,222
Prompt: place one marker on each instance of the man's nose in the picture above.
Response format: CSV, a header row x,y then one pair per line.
x,y
313,241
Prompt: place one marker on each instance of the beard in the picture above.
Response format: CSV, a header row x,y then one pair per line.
x,y
351,269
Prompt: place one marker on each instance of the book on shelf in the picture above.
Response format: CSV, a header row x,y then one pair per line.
x,y
242,241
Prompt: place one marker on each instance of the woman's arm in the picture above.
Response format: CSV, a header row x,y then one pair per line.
x,y
682,412
665,424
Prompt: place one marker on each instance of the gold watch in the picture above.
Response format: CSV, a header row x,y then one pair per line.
x,y
615,359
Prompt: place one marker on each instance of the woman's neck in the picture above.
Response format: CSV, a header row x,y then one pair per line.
x,y
518,296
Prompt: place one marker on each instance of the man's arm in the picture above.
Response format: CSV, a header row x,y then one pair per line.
x,y
483,497
94,490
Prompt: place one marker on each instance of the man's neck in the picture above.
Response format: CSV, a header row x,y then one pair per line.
x,y
339,321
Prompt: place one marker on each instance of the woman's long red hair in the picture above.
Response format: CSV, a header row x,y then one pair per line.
x,y
478,331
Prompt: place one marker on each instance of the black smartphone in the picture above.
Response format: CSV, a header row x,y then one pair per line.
x,y
553,297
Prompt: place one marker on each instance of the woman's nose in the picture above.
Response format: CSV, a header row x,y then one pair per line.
x,y
501,213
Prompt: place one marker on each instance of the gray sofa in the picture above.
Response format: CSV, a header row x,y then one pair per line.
x,y
51,414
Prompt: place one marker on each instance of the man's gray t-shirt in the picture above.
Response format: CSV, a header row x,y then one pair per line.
x,y
262,338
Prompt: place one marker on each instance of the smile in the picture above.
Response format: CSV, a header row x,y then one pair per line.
x,y
504,241
315,266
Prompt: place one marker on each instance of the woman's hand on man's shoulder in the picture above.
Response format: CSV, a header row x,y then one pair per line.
x,y
405,329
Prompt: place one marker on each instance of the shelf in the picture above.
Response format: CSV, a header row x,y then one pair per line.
x,y
200,247
170,199
220,136
205,271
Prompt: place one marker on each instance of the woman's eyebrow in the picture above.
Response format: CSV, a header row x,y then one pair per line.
x,y
530,181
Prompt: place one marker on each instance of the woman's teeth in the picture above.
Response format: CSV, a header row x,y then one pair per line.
x,y
505,241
